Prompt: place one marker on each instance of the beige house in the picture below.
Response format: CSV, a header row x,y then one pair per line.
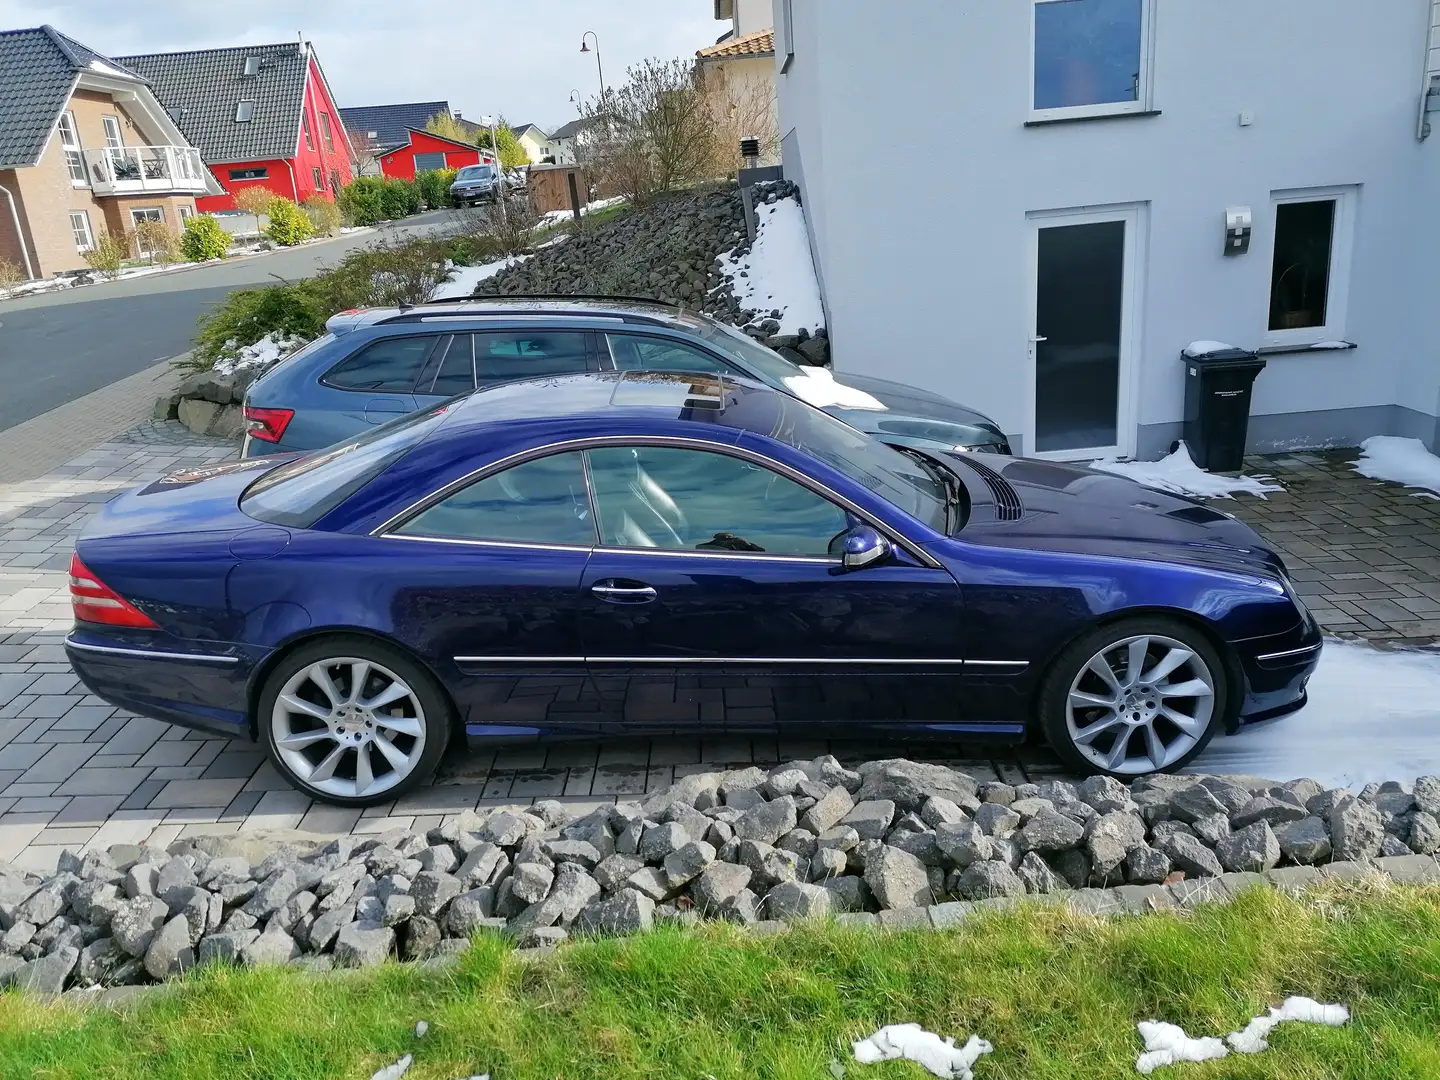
x,y
85,149
536,143
740,72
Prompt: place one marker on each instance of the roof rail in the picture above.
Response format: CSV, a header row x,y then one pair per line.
x,y
556,296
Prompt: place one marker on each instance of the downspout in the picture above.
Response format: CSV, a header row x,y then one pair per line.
x,y
294,188
19,233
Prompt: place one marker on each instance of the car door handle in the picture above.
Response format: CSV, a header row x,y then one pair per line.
x,y
623,594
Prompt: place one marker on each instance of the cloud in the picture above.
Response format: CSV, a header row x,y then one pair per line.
x,y
520,58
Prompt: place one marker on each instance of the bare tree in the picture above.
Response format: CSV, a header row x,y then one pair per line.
x,y
654,133
366,160
741,108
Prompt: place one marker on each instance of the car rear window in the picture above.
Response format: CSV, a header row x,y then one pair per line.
x,y
390,364
301,492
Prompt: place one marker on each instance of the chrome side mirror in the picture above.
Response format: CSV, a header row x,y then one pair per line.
x,y
863,546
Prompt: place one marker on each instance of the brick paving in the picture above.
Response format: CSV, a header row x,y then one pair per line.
x,y
75,772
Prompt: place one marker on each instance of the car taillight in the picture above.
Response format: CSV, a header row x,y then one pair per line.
x,y
267,425
95,602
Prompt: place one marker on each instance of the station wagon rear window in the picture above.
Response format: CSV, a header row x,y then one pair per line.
x,y
301,492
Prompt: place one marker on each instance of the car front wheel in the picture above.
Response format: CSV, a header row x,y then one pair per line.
x,y
353,722
1137,696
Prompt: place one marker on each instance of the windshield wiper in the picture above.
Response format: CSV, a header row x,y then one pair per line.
x,y
950,484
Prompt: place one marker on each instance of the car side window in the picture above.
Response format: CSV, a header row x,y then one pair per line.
x,y
631,352
541,501
528,354
664,497
391,364
455,373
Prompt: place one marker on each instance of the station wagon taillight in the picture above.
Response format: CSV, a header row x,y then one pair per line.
x,y
267,425
95,602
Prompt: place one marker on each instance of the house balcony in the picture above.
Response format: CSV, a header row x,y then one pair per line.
x,y
133,170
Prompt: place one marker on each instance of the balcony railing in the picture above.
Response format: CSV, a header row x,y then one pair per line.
x,y
122,170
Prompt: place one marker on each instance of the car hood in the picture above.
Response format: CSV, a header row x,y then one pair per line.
x,y
1024,503
910,413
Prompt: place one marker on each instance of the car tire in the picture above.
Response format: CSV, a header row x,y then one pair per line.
x,y
1132,724
399,719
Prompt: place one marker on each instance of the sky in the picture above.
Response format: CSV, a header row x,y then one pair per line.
x,y
518,58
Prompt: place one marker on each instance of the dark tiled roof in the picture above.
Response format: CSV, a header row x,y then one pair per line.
x,y
522,128
391,123
202,89
570,130
37,69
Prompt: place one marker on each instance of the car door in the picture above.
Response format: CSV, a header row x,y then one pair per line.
x,y
713,599
496,596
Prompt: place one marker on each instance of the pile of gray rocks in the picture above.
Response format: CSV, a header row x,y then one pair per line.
x,y
806,839
673,250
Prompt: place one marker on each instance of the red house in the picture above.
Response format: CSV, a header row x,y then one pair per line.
x,y
424,151
261,116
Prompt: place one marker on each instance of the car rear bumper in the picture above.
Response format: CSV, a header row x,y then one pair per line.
x,y
180,682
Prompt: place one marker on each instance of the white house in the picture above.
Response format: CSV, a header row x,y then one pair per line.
x,y
535,142
1054,233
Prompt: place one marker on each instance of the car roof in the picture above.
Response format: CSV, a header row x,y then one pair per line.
x,y
624,308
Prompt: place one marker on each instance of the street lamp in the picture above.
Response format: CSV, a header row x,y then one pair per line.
x,y
586,48
577,101
489,121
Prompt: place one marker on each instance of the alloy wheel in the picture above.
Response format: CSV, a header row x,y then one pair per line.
x,y
348,727
1140,704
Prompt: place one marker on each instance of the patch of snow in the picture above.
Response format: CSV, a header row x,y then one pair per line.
x,y
263,353
106,69
1167,1044
1178,474
818,387
1205,348
911,1042
1332,345
463,279
1302,1010
1372,716
778,273
554,217
1405,461
394,1072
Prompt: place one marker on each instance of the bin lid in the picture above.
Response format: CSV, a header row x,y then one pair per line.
x,y
1221,356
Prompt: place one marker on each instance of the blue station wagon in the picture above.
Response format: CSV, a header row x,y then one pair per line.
x,y
379,363
664,552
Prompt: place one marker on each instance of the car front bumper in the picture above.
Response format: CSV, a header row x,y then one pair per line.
x,y
1276,672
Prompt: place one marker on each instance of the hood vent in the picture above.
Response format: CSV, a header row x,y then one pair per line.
x,y
1007,501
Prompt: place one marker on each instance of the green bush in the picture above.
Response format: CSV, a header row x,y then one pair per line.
x,y
288,224
400,199
325,217
434,187
204,239
108,255
247,315
361,200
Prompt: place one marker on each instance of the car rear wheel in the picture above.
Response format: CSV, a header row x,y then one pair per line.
x,y
353,722
1135,697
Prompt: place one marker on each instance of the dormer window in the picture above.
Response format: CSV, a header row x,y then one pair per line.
x,y
244,112
252,66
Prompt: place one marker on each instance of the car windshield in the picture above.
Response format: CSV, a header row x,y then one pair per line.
x,y
301,492
896,478
474,172
765,364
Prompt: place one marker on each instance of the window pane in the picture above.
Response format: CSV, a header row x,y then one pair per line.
x,y
652,496
427,162
528,355
632,353
393,364
457,370
1300,275
301,492
539,502
1087,52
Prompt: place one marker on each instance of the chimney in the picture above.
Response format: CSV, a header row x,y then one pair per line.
x,y
457,115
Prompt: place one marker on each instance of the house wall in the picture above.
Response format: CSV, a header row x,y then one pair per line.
x,y
277,180
927,275
45,195
401,163
751,16
535,148
317,101
750,86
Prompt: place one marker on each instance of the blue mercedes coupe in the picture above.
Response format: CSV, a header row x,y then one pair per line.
x,y
664,552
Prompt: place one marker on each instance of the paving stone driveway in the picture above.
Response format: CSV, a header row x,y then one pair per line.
x,y
75,772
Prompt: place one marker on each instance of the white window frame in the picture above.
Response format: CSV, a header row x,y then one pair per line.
x,y
317,175
186,213
74,152
1342,251
325,131
1145,99
88,243
136,211
113,130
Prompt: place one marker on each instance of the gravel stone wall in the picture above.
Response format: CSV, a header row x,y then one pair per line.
x,y
892,843
670,250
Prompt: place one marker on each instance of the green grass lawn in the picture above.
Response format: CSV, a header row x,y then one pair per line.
x,y
1058,995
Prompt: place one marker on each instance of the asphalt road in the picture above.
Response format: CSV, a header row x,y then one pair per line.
x,y
56,347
